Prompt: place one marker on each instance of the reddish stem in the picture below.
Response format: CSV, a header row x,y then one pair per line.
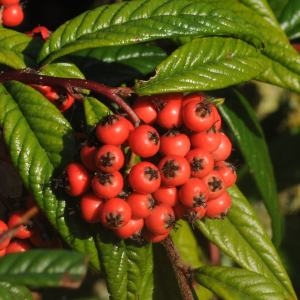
x,y
70,84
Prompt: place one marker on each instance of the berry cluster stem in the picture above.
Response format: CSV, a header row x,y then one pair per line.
x,y
182,271
30,76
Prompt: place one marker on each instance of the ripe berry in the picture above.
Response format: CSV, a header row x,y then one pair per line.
x,y
166,195
12,15
161,220
9,2
227,171
16,246
90,206
109,158
195,213
15,219
224,149
87,156
145,109
201,162
174,143
144,178
198,116
107,185
141,205
215,183
175,170
43,31
208,140
218,207
152,237
131,229
77,179
144,141
3,228
112,130
193,193
115,213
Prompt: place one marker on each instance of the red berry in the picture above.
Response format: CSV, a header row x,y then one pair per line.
x,y
161,220
87,156
107,185
3,228
131,229
9,2
193,97
166,195
141,205
152,237
207,140
215,183
144,141
109,158
227,171
201,162
195,213
90,206
77,179
16,246
43,31
175,170
112,130
218,207
115,213
174,143
224,149
12,15
144,178
145,109
193,193
15,220
217,118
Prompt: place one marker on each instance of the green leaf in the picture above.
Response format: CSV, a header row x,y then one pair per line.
x,y
140,21
128,268
62,69
241,236
287,13
40,140
205,64
249,137
10,291
11,59
143,58
234,283
44,268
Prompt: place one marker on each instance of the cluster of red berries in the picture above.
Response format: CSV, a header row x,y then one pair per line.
x,y
137,181
15,236
12,13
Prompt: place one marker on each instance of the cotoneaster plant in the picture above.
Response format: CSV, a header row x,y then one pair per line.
x,y
129,132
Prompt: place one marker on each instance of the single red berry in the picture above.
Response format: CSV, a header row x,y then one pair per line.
x,y
144,178
198,116
90,206
144,141
115,213
218,207
109,158
161,220
15,220
113,130
131,229
141,205
9,2
174,143
169,110
208,140
107,185
16,246
77,179
6,241
145,109
43,31
87,156
12,15
215,183
2,252
64,102
195,213
227,171
193,97
152,237
193,193
175,170
224,149
201,162
44,89
179,210
166,195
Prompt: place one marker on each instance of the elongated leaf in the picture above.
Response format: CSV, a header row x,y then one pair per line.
x,y
62,69
44,268
128,269
143,58
10,291
205,64
234,283
241,236
141,21
36,151
11,59
249,136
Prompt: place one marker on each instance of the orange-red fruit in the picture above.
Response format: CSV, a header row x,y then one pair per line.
x,y
3,228
218,207
12,15
14,220
132,228
90,206
18,246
